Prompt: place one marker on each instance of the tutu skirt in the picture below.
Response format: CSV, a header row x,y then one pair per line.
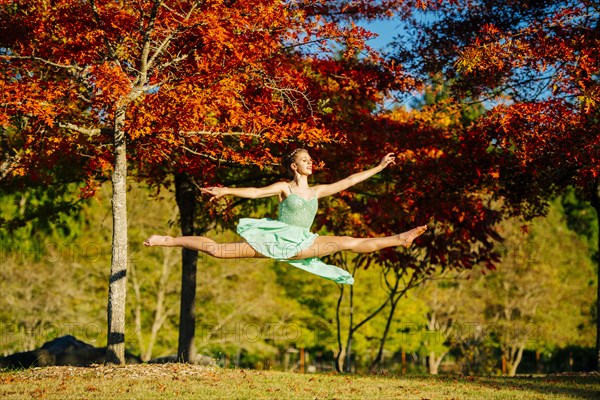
x,y
281,241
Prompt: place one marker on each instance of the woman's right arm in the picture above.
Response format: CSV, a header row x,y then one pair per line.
x,y
246,192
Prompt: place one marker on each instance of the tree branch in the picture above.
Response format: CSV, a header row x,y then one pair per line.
x,y
109,47
213,133
145,64
43,60
90,132
8,165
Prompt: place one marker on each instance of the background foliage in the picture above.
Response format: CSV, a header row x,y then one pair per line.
x,y
257,313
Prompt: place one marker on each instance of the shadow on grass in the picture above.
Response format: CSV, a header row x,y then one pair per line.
x,y
581,387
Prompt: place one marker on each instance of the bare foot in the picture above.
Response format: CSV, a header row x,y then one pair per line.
x,y
156,240
409,236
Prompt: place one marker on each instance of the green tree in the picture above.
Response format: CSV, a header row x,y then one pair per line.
x,y
444,308
540,298
545,277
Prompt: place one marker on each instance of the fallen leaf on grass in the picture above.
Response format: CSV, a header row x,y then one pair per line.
x,y
161,387
38,393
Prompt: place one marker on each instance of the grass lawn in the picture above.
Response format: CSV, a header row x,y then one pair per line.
x,y
180,381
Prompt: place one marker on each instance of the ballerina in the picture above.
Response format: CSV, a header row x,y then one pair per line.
x,y
288,238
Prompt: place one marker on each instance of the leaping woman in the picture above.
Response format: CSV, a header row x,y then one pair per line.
x,y
288,238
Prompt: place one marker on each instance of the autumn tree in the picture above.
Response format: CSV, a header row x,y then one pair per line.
x,y
88,94
444,176
535,65
184,85
539,298
287,96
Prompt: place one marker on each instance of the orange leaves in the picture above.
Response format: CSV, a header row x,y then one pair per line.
x,y
216,81
481,54
406,156
111,85
552,51
538,65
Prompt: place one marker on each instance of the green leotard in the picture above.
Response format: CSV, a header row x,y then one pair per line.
x,y
283,238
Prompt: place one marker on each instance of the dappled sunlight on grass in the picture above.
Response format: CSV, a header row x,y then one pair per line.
x,y
188,381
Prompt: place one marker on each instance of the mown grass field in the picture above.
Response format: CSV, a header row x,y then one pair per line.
x,y
180,381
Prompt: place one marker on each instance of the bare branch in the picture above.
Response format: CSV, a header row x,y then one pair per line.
x,y
145,64
291,95
159,50
90,132
214,133
173,61
176,12
44,61
197,153
8,165
318,41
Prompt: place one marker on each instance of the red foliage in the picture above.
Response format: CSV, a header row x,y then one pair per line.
x,y
534,65
220,83
203,82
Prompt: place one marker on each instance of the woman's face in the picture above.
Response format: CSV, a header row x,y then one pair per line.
x,y
303,163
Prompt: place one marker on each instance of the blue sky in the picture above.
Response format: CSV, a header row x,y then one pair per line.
x,y
385,29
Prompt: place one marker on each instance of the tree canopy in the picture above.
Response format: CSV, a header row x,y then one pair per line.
x,y
95,87
171,86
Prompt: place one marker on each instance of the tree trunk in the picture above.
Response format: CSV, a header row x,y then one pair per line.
x,y
388,324
595,200
339,359
348,364
185,195
514,358
117,292
434,362
343,360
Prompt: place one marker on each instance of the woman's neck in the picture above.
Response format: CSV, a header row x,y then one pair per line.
x,y
301,181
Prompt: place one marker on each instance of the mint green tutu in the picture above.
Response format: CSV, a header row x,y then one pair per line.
x,y
280,241
285,237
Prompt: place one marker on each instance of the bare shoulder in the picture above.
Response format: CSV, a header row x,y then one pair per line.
x,y
282,189
282,186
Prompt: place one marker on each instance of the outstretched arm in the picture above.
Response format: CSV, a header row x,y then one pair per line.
x,y
327,190
246,192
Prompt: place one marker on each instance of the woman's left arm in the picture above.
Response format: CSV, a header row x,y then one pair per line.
x,y
333,188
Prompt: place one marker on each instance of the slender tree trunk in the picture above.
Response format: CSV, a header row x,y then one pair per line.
x,y
595,200
162,312
394,297
435,361
343,358
138,311
339,359
160,315
117,292
348,364
185,195
513,356
388,324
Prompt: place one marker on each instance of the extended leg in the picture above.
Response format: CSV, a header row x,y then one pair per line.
x,y
205,245
325,245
